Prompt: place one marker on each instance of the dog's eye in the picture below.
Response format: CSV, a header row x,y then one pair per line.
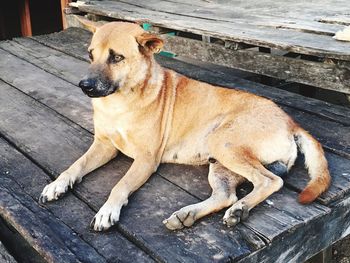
x,y
114,58
118,58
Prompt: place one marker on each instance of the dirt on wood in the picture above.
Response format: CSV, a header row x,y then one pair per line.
x,y
341,251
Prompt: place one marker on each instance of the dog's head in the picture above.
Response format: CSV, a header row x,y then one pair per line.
x,y
119,54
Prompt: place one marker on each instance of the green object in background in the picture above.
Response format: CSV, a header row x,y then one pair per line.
x,y
148,27
167,54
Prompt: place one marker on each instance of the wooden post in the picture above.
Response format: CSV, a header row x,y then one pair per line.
x,y
26,25
64,4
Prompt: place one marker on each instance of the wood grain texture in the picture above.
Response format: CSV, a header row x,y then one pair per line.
x,y
5,256
298,246
327,76
54,241
37,82
297,32
67,219
296,15
285,39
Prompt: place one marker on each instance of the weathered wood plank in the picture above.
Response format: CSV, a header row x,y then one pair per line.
x,y
327,76
18,246
65,40
48,236
5,257
336,19
46,88
46,58
207,241
71,211
336,139
78,41
300,42
320,233
234,12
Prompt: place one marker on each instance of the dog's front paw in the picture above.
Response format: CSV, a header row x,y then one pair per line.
x,y
180,219
107,216
54,190
236,214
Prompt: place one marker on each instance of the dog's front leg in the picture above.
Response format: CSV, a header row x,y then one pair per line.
x,y
141,169
100,152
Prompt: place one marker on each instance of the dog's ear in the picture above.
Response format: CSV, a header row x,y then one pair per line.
x,y
88,24
150,43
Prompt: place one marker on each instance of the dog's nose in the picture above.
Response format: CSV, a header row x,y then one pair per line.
x,y
87,84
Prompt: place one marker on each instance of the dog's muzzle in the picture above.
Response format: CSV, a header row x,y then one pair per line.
x,y
93,87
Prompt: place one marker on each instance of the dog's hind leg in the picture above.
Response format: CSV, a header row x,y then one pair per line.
x,y
100,152
223,183
242,161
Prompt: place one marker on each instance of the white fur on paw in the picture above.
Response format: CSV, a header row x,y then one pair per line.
x,y
235,214
54,190
180,219
107,216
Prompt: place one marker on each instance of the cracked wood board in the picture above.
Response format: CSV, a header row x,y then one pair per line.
x,y
284,39
59,232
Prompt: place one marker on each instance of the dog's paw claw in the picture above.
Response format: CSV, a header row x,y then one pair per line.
x,y
236,214
92,223
180,219
106,217
42,199
53,191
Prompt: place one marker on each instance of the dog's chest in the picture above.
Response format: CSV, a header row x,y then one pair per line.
x,y
120,132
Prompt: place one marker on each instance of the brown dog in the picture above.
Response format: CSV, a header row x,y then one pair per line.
x,y
155,115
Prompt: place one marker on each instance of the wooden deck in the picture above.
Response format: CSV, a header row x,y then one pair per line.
x,y
46,124
287,40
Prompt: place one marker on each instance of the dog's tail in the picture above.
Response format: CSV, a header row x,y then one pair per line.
x,y
316,164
